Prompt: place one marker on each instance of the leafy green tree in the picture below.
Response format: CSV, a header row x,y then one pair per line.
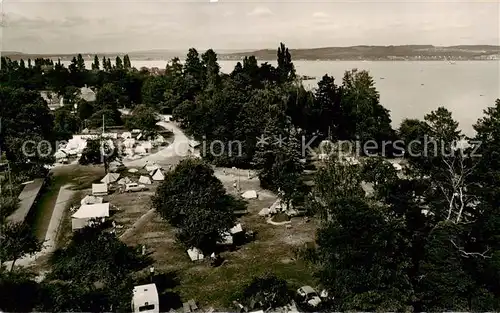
x,y
143,117
65,123
126,62
153,91
267,292
367,118
26,121
19,292
85,109
361,259
99,151
17,241
194,200
98,282
95,65
286,69
118,63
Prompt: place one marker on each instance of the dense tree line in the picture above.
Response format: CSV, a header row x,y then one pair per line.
x,y
423,241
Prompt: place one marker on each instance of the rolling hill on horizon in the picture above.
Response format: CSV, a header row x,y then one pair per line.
x,y
425,52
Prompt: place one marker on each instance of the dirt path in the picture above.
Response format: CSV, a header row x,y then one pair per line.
x,y
49,245
172,154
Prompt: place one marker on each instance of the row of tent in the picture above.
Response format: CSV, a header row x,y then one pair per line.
x,y
156,175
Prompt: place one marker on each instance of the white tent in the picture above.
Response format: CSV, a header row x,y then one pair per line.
x,y
152,167
99,189
250,194
160,139
129,151
88,212
129,143
147,145
60,154
91,200
126,135
264,212
236,229
227,239
110,178
157,175
145,180
195,254
124,181
397,166
140,150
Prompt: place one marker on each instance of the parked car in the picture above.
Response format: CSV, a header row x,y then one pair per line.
x,y
132,187
307,295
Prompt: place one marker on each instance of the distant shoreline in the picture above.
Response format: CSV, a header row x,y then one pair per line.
x,y
352,53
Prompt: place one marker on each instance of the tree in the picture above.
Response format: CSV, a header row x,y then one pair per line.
x,y
65,123
26,121
266,292
98,266
333,183
18,290
99,151
144,118
118,63
84,109
153,91
368,120
380,173
95,65
194,200
362,259
126,62
17,241
286,69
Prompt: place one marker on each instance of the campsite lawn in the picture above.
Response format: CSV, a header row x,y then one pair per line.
x,y
273,250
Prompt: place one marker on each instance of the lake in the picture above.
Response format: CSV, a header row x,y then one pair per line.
x,y
409,89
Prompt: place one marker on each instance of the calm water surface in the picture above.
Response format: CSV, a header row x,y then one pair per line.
x,y
410,89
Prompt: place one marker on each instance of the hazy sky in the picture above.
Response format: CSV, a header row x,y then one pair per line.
x,y
123,26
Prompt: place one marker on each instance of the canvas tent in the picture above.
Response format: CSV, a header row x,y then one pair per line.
x,y
147,145
195,254
91,200
145,180
99,189
157,175
126,135
250,194
110,178
129,143
152,167
88,212
60,154
124,181
140,150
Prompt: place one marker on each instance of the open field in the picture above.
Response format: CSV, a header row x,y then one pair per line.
x,y
76,175
272,250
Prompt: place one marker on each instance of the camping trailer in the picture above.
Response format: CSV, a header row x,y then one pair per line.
x,y
145,299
